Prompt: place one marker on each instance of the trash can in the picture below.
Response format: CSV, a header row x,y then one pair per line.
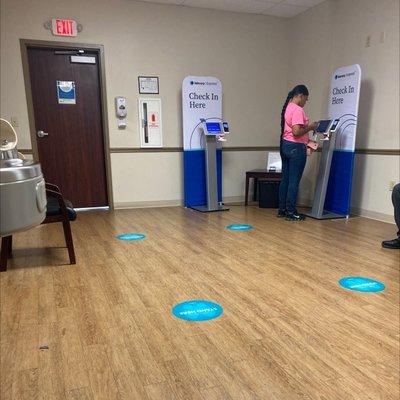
x,y
268,194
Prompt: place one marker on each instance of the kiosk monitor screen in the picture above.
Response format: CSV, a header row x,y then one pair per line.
x,y
213,128
323,125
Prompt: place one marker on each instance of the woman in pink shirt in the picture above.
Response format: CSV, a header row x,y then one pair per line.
x,y
293,148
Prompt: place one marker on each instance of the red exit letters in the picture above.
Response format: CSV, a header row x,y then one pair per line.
x,y
64,27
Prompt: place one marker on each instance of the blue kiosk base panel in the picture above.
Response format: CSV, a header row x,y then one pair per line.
x,y
195,177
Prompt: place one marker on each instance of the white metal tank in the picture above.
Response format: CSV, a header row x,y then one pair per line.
x,y
22,187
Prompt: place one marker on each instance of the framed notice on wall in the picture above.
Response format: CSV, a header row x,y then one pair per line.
x,y
148,85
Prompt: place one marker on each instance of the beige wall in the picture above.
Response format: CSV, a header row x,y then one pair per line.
x,y
334,34
257,58
249,54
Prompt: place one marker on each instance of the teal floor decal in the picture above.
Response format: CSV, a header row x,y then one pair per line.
x,y
197,310
361,284
130,236
239,227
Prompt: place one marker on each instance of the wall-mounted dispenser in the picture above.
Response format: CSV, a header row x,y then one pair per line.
x,y
120,111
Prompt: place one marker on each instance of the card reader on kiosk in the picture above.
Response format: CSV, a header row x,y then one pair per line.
x,y
214,131
328,129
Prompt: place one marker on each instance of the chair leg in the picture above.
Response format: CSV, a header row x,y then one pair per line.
x,y
69,242
10,247
6,247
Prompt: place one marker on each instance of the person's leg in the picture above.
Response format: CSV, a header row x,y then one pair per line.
x,y
284,184
297,162
395,243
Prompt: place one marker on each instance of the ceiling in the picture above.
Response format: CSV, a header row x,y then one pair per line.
x,y
277,8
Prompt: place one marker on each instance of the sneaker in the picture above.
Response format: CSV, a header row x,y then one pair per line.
x,y
295,217
281,214
391,244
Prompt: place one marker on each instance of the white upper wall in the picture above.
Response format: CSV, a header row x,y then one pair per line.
x,y
334,34
248,53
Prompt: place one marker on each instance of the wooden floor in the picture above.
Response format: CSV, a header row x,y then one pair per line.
x,y
288,330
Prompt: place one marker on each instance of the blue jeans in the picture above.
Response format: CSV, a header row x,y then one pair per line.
x,y
294,156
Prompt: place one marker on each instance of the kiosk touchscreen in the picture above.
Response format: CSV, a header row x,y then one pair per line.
x,y
323,126
327,127
212,128
215,128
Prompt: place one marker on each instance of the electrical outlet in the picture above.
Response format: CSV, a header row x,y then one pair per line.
x,y
391,185
14,122
368,41
383,37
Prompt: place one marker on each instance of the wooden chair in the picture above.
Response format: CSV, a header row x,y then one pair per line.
x,y
58,210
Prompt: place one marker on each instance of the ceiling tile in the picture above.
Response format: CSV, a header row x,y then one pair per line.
x,y
248,6
278,8
284,10
269,2
303,3
173,2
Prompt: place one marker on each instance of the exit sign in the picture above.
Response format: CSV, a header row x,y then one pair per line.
x,y
64,27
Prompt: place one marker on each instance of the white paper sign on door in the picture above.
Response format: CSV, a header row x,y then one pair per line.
x,y
66,93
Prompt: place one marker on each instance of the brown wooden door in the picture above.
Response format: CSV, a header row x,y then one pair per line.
x,y
72,154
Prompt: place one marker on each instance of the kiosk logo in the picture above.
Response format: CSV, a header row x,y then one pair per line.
x,y
209,83
345,75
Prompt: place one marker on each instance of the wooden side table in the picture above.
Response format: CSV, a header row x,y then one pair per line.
x,y
256,174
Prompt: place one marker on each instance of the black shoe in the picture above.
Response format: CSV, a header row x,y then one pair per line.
x,y
295,217
391,244
281,214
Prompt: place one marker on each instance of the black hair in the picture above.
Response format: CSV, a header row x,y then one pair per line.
x,y
299,89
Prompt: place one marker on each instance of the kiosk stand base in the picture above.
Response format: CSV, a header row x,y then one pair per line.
x,y
209,209
211,178
326,215
317,210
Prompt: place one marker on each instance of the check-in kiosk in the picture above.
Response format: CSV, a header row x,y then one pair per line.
x,y
327,128
214,132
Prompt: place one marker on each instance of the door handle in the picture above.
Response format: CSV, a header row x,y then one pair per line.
x,y
42,134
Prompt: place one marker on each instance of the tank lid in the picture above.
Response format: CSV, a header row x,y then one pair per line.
x,y
10,173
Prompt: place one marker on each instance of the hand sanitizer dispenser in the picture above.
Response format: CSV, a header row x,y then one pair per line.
x,y
121,112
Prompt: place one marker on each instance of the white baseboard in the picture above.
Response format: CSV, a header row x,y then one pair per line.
x,y
372,214
147,204
233,199
240,199
168,203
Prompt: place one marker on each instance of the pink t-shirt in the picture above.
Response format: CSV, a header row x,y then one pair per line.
x,y
294,115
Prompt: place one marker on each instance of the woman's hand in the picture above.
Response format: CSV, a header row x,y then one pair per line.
x,y
312,126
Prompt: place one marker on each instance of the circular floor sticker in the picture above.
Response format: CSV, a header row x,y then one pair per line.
x,y
130,236
239,227
197,310
360,284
